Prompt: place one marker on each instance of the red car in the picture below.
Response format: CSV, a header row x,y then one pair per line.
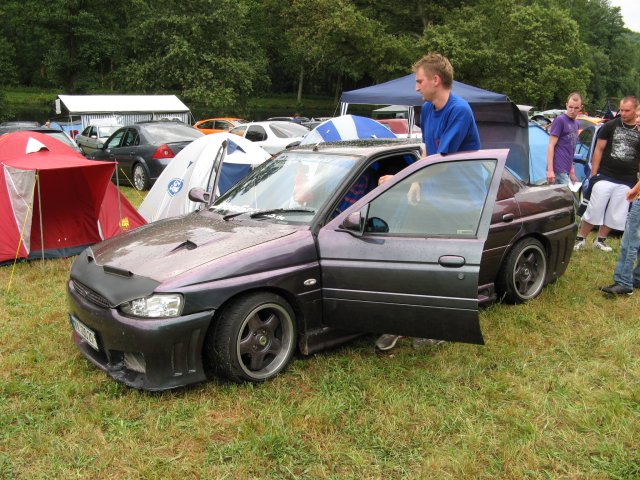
x,y
400,126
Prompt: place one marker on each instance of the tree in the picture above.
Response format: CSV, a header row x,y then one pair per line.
x,y
201,48
531,53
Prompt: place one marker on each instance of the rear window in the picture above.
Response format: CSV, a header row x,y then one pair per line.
x,y
171,132
63,138
289,130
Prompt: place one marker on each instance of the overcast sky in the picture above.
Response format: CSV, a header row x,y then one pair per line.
x,y
630,10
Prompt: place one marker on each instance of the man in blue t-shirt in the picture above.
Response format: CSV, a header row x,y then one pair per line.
x,y
448,126
446,119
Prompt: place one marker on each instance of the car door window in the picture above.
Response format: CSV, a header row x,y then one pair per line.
x,y
369,179
256,134
450,203
114,142
130,138
222,125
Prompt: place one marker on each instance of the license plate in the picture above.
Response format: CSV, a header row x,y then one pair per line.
x,y
85,332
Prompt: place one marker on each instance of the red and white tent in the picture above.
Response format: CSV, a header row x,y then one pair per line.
x,y
53,201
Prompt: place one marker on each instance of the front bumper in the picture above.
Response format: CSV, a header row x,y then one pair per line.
x,y
147,354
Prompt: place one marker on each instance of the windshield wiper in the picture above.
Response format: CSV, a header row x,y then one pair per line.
x,y
281,210
270,211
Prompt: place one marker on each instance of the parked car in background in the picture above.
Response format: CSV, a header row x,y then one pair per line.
x,y
587,121
94,136
53,132
273,136
217,125
400,126
60,135
585,146
296,119
290,259
144,149
14,126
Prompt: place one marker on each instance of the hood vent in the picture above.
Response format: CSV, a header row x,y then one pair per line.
x,y
187,245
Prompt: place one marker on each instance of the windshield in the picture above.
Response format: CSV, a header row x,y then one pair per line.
x,y
288,129
292,188
105,132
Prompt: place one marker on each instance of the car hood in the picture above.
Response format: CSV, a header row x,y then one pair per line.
x,y
168,248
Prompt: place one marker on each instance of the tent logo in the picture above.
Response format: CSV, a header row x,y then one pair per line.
x,y
175,186
124,223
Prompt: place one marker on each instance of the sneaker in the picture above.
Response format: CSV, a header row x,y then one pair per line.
x,y
579,245
600,245
426,342
617,289
387,341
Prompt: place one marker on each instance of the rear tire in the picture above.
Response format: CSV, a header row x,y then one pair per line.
x,y
253,339
522,275
140,178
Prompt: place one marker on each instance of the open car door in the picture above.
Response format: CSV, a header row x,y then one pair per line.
x,y
410,266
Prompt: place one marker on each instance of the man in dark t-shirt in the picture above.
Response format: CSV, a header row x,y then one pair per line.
x,y
615,167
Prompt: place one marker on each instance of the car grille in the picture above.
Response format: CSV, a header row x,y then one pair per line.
x,y
88,294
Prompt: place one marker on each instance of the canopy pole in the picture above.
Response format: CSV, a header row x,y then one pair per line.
x,y
343,108
412,120
40,210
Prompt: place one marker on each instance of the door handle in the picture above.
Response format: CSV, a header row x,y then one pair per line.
x,y
508,217
451,261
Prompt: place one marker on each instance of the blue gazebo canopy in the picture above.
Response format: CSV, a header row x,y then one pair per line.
x,y
500,122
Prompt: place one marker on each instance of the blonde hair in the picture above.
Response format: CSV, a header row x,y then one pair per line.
x,y
436,64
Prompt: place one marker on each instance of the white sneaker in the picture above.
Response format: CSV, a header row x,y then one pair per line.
x,y
598,245
579,245
387,341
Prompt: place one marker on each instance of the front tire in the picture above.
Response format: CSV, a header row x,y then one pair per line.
x,y
140,178
253,339
522,275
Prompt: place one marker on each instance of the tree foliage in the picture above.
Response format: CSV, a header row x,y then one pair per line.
x,y
220,53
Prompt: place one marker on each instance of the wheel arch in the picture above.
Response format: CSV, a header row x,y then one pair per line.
x,y
288,296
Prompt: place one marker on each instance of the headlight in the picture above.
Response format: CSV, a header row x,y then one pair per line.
x,y
155,306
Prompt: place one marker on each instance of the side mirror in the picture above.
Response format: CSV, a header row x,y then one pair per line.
x,y
353,224
377,225
94,136
199,195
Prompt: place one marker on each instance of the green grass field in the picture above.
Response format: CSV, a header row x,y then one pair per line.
x,y
554,393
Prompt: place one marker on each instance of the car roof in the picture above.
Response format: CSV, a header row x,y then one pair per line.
x,y
230,119
271,122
